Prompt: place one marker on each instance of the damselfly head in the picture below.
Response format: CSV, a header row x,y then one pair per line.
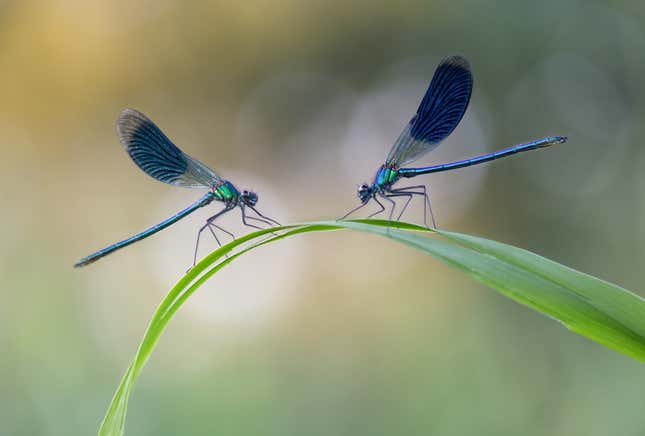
x,y
364,192
249,198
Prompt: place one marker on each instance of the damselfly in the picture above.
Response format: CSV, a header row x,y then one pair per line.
x,y
440,111
156,155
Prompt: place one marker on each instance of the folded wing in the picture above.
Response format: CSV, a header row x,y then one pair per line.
x,y
155,154
440,111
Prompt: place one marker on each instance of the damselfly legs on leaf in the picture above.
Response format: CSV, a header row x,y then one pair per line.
x,y
440,111
155,154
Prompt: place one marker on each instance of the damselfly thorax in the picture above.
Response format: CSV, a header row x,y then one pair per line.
x,y
385,177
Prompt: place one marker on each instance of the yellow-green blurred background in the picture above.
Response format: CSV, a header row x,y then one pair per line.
x,y
329,334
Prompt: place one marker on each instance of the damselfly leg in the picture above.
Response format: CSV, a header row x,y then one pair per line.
x,y
409,191
245,217
209,224
266,219
378,211
360,206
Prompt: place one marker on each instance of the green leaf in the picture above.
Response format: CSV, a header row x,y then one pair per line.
x,y
599,310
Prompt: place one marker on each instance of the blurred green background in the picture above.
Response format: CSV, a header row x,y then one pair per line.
x,y
334,334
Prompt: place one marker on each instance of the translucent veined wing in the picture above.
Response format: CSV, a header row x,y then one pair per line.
x,y
155,154
441,109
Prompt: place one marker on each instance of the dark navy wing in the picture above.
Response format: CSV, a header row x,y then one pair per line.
x,y
440,111
155,154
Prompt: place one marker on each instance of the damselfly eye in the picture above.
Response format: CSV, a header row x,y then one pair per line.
x,y
250,197
364,192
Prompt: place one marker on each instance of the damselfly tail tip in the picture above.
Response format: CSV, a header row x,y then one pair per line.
x,y
83,262
558,140
553,140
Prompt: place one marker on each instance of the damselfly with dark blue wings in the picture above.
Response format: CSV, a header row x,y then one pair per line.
x,y
157,156
442,108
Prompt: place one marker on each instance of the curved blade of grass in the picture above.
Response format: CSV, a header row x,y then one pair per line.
x,y
589,306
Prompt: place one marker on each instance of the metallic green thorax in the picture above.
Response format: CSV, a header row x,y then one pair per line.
x,y
385,176
226,192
